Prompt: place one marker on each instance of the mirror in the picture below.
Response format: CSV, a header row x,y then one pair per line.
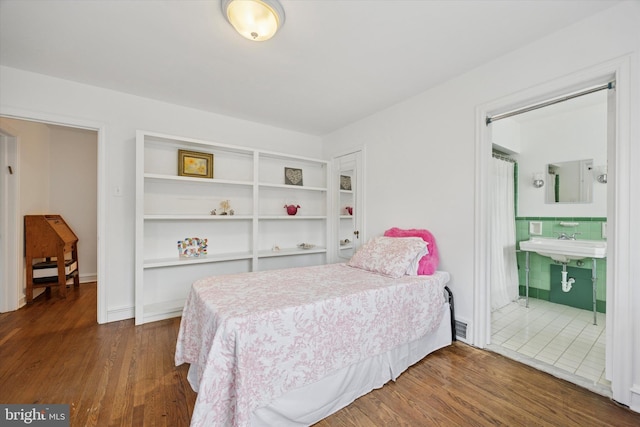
x,y
570,182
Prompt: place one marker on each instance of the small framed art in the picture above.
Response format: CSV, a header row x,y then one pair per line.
x,y
345,182
194,164
292,176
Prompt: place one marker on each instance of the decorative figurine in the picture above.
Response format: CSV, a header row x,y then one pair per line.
x,y
213,212
292,209
225,205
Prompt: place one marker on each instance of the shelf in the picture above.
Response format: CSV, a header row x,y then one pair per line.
x,y
288,157
291,252
163,140
190,180
292,187
46,281
170,207
178,261
201,217
289,217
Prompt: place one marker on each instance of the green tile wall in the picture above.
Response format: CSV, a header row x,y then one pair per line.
x,y
540,267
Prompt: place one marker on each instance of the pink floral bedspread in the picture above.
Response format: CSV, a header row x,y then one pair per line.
x,y
255,336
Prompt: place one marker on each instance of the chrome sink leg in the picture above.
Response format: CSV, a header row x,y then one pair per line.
x,y
593,282
526,280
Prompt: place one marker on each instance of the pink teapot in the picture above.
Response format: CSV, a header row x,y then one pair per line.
x,y
292,209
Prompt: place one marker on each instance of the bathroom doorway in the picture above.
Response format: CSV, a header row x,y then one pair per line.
x,y
553,334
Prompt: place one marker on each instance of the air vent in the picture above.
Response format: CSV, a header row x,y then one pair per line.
x,y
461,330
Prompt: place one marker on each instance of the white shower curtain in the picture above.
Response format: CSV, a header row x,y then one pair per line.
x,y
504,267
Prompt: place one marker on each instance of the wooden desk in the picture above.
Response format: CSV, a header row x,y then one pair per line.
x,y
48,237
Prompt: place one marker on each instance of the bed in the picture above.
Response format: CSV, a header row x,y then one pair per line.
x,y
290,347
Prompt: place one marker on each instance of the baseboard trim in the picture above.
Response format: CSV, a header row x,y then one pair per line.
x,y
122,313
87,278
634,405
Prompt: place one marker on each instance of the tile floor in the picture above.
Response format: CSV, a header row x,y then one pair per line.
x,y
560,338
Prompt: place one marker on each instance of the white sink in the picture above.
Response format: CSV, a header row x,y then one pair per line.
x,y
565,250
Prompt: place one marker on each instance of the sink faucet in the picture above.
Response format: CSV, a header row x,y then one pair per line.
x,y
565,236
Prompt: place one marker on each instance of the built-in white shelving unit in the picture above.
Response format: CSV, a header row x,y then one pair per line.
x,y
258,236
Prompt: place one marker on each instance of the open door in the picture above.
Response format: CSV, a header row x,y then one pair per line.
x,y
348,170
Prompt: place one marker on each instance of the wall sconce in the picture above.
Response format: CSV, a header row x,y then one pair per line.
x,y
600,173
256,20
538,182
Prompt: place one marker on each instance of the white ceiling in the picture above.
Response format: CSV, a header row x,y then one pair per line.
x,y
333,62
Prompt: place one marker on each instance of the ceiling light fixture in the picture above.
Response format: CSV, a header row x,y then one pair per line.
x,y
256,20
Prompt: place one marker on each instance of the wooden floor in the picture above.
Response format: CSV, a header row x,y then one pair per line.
x,y
117,374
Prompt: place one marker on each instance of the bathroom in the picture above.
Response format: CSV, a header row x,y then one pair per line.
x,y
559,158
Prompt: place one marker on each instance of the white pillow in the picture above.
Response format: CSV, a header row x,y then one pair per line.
x,y
412,270
390,256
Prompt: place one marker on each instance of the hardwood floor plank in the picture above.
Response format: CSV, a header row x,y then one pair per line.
x,y
176,387
139,391
114,364
119,374
122,412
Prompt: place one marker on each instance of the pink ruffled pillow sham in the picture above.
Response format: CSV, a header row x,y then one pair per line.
x,y
389,256
428,264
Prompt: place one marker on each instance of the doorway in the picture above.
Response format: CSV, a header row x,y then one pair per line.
x,y
54,169
552,330
618,292
549,327
349,203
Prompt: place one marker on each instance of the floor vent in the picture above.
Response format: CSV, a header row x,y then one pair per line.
x,y
461,330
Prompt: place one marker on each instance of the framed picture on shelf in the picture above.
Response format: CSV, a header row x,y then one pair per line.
x,y
292,176
194,164
345,182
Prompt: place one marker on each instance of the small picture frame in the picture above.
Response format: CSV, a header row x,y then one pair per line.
x,y
345,182
292,176
194,164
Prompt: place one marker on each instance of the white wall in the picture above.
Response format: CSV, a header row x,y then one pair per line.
x,y
572,135
420,163
505,135
120,115
34,164
554,134
33,169
73,163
